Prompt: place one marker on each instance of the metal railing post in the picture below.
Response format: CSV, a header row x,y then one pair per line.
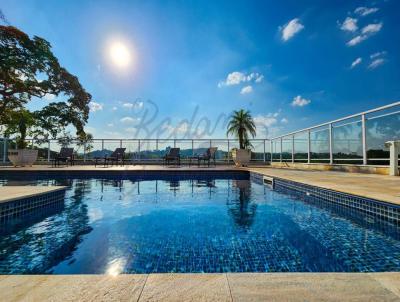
x,y
364,139
264,151
48,151
102,145
84,152
120,143
228,155
192,147
174,143
292,149
309,147
271,149
281,151
139,157
330,144
4,149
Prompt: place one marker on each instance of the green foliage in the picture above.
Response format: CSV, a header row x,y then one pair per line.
x,y
241,125
65,140
29,69
21,123
86,142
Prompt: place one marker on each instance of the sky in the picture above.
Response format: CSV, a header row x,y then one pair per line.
x,y
179,68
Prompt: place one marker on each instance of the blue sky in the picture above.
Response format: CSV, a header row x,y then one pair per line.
x,y
291,63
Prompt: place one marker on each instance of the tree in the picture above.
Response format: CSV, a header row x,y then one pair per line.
x,y
241,125
28,69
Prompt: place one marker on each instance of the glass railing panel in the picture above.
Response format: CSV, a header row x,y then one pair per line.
x,y
347,141
301,147
222,151
287,148
149,150
257,152
276,150
319,141
381,127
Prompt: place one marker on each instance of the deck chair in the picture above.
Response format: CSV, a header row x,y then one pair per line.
x,y
65,155
208,156
118,156
173,156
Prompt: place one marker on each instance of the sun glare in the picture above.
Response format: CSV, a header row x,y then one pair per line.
x,y
120,55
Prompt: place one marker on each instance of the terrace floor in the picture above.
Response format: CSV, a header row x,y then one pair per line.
x,y
204,287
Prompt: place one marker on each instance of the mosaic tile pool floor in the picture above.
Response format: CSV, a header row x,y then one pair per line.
x,y
188,225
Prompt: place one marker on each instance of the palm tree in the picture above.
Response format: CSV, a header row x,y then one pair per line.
x,y
241,125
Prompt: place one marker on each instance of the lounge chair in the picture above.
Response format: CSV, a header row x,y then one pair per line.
x,y
208,156
65,155
115,157
173,156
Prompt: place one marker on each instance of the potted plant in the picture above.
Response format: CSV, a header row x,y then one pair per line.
x,y
241,125
21,123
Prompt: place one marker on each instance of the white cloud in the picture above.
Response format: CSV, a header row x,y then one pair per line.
x,y
237,77
95,106
255,76
49,96
290,29
356,40
376,63
377,54
269,124
298,101
349,24
246,90
364,11
265,120
129,120
234,78
114,108
259,78
127,105
110,125
366,32
372,28
182,128
356,62
135,105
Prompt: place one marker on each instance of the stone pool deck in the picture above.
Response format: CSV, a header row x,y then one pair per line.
x,y
204,287
10,193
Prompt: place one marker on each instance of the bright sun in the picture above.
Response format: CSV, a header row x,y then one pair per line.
x,y
120,54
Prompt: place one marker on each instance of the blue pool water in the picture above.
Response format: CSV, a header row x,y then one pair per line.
x,y
186,225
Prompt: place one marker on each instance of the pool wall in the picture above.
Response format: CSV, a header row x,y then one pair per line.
x,y
373,208
17,208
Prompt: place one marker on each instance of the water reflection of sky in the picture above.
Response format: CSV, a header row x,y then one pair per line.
x,y
208,225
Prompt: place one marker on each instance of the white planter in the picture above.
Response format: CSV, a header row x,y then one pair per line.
x,y
241,157
22,157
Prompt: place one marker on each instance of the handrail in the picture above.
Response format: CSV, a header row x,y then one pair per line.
x,y
285,140
339,120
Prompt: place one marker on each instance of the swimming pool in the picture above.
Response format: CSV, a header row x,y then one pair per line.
x,y
191,223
